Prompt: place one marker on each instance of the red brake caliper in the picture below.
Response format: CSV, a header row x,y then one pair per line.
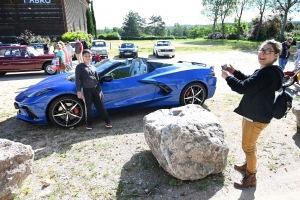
x,y
76,110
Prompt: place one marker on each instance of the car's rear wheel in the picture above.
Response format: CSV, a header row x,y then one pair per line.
x,y
66,111
48,68
193,93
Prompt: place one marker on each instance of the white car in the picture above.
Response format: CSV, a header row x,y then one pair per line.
x,y
164,48
99,47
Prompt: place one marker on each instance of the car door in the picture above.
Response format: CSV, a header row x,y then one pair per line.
x,y
127,91
6,62
22,62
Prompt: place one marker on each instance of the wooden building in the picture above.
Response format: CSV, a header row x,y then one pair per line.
x,y
43,17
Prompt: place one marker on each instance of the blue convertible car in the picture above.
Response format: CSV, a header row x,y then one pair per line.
x,y
129,84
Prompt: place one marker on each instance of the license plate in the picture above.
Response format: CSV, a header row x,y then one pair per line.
x,y
166,55
127,53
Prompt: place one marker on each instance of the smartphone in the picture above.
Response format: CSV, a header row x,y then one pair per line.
x,y
224,67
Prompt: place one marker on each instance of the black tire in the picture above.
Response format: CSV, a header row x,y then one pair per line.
x,y
153,53
136,55
2,73
66,111
173,56
120,56
48,68
193,93
287,81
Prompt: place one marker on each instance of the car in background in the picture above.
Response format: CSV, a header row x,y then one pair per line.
x,y
37,46
24,58
128,49
163,48
99,47
127,84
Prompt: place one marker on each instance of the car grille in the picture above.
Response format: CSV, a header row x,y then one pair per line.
x,y
166,50
29,112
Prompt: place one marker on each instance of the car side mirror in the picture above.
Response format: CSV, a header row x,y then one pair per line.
x,y
106,79
119,47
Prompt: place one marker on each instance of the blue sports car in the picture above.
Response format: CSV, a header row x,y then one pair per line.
x,y
128,84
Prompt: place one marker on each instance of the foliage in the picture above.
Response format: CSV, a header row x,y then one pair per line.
x,y
295,34
89,22
94,20
101,36
156,26
25,38
71,36
133,24
113,36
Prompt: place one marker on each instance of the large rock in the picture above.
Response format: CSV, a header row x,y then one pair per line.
x,y
187,141
296,112
15,165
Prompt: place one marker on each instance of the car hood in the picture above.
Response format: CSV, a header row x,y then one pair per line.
x,y
127,49
165,47
58,81
98,48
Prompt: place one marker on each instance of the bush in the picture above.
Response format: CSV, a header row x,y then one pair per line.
x,y
102,36
113,36
218,35
71,36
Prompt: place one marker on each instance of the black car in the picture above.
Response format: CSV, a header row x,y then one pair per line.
x,y
128,49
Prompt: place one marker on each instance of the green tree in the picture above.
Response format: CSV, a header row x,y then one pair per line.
x,y
212,11
226,8
262,6
157,26
89,22
177,30
194,32
286,6
240,6
133,25
94,20
118,30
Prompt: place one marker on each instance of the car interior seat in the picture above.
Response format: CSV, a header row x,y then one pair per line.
x,y
143,69
134,69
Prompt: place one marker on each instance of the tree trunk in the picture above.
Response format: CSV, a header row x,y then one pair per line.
x,y
258,28
283,27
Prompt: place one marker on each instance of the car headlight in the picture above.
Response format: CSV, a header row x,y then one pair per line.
x,y
121,51
159,50
39,93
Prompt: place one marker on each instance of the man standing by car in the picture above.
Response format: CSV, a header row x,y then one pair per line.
x,y
46,47
89,90
78,50
285,53
84,44
70,52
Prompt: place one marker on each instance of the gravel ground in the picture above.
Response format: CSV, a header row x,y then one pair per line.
x,y
118,164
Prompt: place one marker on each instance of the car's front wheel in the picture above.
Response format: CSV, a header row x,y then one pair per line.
x,y
48,68
157,56
66,111
193,93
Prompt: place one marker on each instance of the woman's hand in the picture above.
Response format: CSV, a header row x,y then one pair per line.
x,y
230,69
79,95
101,95
224,74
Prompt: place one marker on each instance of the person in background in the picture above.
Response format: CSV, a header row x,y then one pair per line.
x,y
78,50
64,49
60,54
89,90
97,58
70,52
84,44
285,53
258,92
46,47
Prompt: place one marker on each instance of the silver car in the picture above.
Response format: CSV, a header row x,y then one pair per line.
x,y
99,47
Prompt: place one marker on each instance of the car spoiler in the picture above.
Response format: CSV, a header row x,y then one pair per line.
x,y
212,67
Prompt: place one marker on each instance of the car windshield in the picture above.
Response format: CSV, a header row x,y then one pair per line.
x,y
98,44
163,43
32,52
127,45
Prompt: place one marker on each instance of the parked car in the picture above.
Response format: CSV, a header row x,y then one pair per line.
x,y
38,46
99,47
128,49
127,84
164,48
24,58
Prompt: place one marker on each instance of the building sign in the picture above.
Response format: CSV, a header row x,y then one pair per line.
x,y
37,1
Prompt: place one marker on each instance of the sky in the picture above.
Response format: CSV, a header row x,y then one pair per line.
x,y
111,13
